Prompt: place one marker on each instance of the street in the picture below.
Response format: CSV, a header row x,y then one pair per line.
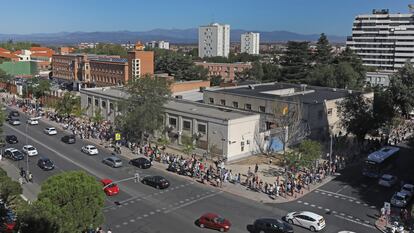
x,y
349,202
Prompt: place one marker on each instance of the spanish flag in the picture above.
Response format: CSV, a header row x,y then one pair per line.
x,y
285,110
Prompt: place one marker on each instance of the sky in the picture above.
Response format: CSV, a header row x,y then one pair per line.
x,y
333,17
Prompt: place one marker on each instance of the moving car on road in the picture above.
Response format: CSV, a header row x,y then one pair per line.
x,y
158,182
33,121
387,180
50,131
30,150
399,199
271,225
69,139
306,219
407,189
14,121
14,113
45,164
109,188
113,161
90,150
214,221
11,139
140,162
13,154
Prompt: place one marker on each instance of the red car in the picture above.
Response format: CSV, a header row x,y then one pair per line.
x,y
111,189
214,221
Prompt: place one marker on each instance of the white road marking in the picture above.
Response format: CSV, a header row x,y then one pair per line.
x,y
306,203
346,186
351,220
327,210
312,205
332,193
191,202
299,201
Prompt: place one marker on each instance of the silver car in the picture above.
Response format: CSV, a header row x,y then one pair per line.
x,y
113,161
399,199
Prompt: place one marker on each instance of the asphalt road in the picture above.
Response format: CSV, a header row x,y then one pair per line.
x,y
145,209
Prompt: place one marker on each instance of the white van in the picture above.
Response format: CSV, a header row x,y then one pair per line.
x,y
33,121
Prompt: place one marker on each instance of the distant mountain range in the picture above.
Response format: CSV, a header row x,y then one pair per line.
x,y
178,36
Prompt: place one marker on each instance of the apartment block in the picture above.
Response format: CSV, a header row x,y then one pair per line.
x,y
250,43
214,40
140,62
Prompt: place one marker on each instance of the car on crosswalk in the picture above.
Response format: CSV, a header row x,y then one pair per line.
x,y
109,187
306,219
214,221
157,182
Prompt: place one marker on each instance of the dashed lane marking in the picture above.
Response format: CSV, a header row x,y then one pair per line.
x,y
357,222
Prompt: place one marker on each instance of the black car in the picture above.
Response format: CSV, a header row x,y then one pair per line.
x,y
140,162
13,154
14,113
271,225
158,182
11,139
69,139
45,164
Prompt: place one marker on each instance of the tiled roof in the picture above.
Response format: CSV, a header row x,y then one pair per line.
x,y
8,55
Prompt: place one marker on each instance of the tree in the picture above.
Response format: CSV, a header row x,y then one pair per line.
x,y
68,202
271,72
9,189
195,72
323,53
256,72
349,57
68,104
39,87
402,89
383,108
356,115
216,80
142,112
305,155
323,75
295,62
188,144
97,116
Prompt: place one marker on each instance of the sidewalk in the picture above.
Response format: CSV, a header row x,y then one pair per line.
x,y
266,172
382,225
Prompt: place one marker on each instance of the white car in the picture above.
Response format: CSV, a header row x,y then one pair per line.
x,y
33,121
387,180
90,150
50,131
306,219
30,150
407,189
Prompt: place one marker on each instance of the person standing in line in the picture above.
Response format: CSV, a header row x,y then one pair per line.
x,y
256,168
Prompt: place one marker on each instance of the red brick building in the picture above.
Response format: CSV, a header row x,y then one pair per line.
x,y
226,70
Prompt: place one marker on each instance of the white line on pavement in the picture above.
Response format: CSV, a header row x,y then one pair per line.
x,y
337,194
354,221
346,186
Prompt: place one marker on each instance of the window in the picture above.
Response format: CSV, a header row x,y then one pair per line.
x,y
111,106
248,106
202,128
223,102
320,114
186,125
241,146
96,102
262,109
173,122
89,100
211,100
329,111
235,104
103,103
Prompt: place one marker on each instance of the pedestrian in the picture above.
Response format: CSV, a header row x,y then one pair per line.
x,y
256,168
109,230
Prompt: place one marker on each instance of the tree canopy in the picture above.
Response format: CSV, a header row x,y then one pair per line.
x,y
39,87
68,104
305,155
295,62
142,112
402,89
68,202
106,49
323,54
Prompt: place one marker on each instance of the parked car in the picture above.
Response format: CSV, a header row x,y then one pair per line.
x,y
11,139
50,131
306,219
271,225
399,199
14,121
33,121
109,188
90,150
30,150
407,189
69,139
214,221
158,182
45,164
140,162
13,154
113,161
387,180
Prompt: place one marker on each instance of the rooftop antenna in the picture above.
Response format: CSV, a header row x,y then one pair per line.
x,y
411,8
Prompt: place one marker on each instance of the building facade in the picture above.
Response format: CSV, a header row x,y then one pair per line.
x,y
214,40
140,62
227,71
158,44
108,71
229,134
383,40
250,43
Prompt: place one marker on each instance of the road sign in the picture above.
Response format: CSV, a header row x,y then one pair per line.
x,y
117,136
387,207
